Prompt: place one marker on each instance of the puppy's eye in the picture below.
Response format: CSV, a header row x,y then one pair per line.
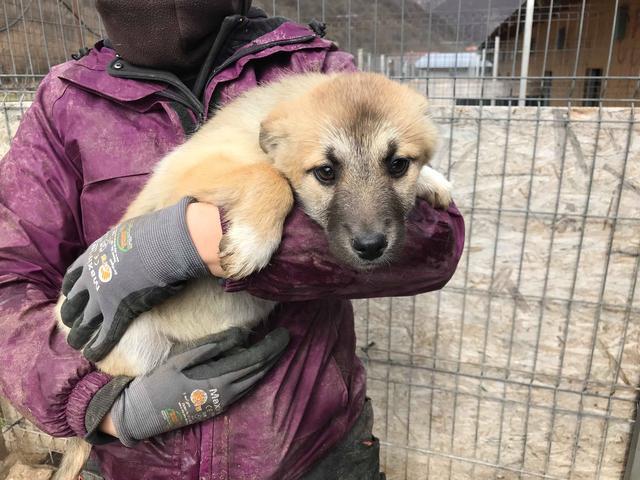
x,y
325,174
398,166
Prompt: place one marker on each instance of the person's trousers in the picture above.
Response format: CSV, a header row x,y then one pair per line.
x,y
356,457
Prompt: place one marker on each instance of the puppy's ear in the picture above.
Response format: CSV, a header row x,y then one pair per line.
x,y
273,131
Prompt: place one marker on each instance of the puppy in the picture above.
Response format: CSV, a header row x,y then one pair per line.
x,y
352,147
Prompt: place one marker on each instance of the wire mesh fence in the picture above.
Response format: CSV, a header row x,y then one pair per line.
x,y
37,34
527,364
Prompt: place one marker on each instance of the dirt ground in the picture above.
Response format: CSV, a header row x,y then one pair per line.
x,y
23,467
14,467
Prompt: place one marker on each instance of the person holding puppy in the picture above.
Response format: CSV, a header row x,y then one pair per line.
x,y
293,399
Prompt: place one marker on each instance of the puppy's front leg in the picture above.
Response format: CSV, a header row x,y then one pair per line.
x,y
254,200
434,188
254,219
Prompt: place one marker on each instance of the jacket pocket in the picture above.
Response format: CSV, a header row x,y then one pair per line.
x,y
158,458
328,402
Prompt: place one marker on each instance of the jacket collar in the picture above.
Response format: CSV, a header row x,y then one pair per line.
x,y
90,73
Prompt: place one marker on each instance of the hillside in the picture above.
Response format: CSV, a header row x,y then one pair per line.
x,y
376,26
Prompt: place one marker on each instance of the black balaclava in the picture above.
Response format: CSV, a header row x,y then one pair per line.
x,y
173,35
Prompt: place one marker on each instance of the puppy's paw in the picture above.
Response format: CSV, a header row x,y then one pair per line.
x,y
244,250
56,310
434,188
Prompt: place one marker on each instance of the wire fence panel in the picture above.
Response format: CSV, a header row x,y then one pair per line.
x,y
527,364
37,34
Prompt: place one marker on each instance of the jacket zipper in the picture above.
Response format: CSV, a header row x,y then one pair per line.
x,y
176,97
234,58
258,48
255,49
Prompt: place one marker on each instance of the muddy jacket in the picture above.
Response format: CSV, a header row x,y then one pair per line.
x,y
83,151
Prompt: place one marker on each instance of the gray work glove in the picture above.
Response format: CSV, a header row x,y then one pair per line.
x,y
194,385
126,272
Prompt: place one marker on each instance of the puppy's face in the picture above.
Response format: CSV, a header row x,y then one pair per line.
x,y
352,150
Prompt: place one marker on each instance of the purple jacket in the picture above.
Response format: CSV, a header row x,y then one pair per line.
x,y
83,151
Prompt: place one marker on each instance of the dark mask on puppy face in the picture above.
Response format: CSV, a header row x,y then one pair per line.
x,y
173,35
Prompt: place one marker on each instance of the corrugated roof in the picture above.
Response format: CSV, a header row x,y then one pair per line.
x,y
445,60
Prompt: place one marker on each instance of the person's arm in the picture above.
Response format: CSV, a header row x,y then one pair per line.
x,y
49,382
304,269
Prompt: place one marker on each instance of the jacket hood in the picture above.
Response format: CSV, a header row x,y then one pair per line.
x,y
173,35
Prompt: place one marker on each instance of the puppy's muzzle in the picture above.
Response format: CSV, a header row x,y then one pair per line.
x,y
370,246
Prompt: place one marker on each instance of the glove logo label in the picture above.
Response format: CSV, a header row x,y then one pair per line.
x,y
123,238
104,271
198,398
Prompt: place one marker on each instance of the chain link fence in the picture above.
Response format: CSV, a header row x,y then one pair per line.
x,y
527,364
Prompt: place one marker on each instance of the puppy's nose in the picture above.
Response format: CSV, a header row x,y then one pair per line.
x,y
369,246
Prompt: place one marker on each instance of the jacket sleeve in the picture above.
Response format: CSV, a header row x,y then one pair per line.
x,y
303,268
47,381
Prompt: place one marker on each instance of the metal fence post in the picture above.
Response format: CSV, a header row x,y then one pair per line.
x,y
632,469
526,51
